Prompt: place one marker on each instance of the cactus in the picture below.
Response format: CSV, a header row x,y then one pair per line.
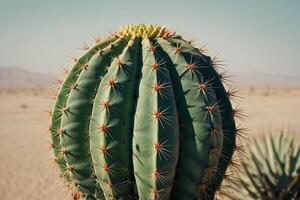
x,y
143,114
272,170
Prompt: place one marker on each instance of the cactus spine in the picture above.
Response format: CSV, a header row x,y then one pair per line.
x,y
143,115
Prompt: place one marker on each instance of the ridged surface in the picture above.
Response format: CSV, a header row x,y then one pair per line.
x,y
228,127
111,129
60,108
75,122
143,118
155,134
199,117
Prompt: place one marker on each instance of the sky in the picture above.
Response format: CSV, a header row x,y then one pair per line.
x,y
251,36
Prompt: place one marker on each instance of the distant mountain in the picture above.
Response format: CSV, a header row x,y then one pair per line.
x,y
17,77
257,79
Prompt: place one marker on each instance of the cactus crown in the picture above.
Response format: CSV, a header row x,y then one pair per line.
x,y
144,31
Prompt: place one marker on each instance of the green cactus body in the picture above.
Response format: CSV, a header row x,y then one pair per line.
x,y
111,127
143,115
60,106
155,134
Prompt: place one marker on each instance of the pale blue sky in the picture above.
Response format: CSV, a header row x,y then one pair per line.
x,y
255,35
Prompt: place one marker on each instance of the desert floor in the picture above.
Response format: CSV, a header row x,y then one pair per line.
x,y
26,169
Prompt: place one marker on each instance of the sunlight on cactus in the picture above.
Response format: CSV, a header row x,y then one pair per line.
x,y
143,114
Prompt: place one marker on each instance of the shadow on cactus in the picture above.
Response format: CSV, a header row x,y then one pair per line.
x,y
272,169
143,114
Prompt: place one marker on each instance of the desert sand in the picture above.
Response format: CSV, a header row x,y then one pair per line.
x,y
26,169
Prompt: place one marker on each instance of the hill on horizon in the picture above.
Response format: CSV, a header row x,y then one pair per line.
x,y
266,80
18,77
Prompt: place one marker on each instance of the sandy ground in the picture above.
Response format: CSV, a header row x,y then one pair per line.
x,y
26,171
269,109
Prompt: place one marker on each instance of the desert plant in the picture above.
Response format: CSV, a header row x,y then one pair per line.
x,y
143,114
271,171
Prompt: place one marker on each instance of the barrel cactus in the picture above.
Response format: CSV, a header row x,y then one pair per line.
x,y
272,170
143,114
